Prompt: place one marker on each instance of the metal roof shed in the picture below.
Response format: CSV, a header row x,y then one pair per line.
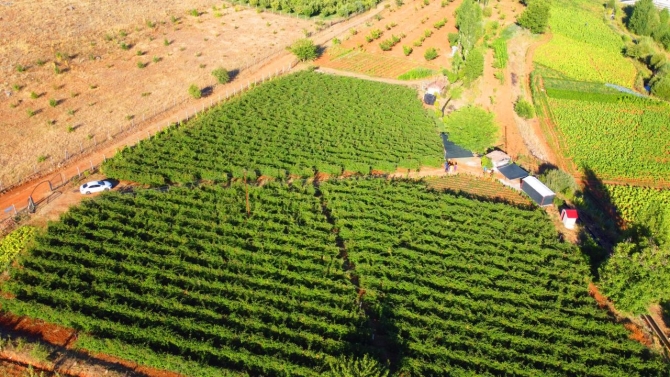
x,y
513,171
537,191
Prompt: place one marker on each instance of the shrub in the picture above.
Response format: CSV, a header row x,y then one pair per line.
x,y
221,75
474,66
194,12
304,49
141,65
439,24
487,12
430,54
386,45
486,162
559,181
34,95
453,39
428,33
524,109
194,91
53,102
20,68
536,16
406,50
416,73
125,46
30,112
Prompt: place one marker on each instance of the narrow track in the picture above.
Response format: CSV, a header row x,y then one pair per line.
x,y
657,330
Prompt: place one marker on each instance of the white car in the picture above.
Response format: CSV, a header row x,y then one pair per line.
x,y
95,186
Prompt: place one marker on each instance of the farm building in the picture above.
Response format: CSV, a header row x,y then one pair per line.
x,y
569,218
512,172
537,191
499,158
429,99
436,87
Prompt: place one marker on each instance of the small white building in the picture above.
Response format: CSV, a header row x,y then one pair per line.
x,y
569,218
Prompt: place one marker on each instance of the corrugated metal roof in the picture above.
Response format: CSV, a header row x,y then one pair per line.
x,y
513,171
538,186
452,150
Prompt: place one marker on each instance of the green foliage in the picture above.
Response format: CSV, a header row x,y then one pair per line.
x,y
660,86
221,75
583,46
304,49
559,181
536,16
352,125
472,128
636,276
595,132
440,24
407,50
388,44
267,293
469,24
352,367
453,39
194,91
486,162
642,206
416,74
474,66
53,102
13,243
427,271
524,109
430,54
500,56
645,18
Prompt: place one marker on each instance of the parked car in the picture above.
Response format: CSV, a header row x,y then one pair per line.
x,y
95,186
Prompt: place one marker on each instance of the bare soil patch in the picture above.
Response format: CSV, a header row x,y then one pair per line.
x,y
101,87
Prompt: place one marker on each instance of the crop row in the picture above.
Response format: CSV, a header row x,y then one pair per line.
x,y
449,302
343,125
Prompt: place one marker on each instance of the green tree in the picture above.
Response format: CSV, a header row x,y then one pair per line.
x,y
351,367
221,75
304,49
472,128
536,16
469,24
474,66
660,86
645,18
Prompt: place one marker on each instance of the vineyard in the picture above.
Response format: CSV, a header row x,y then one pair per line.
x,y
184,281
192,280
304,124
467,185
462,287
583,46
615,136
642,205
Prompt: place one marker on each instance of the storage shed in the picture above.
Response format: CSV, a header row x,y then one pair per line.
x,y
569,218
537,191
452,150
429,99
513,171
499,158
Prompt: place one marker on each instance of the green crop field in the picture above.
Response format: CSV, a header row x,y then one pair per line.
x,y
616,136
583,46
434,283
642,205
299,125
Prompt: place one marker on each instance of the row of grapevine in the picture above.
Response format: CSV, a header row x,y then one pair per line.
x,y
300,125
188,275
189,281
463,287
